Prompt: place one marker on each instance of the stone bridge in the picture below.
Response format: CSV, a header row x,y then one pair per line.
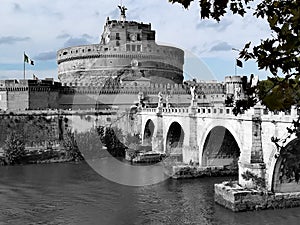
x,y
214,136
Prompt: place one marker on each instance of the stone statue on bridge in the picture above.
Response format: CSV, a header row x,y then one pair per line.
x,y
193,92
160,99
168,101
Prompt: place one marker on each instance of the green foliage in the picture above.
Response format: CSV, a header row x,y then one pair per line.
x,y
279,96
90,145
14,148
259,182
110,139
36,129
70,146
132,139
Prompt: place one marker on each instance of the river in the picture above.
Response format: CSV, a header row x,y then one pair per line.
x,y
70,193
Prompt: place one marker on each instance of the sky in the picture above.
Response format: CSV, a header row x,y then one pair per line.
x,y
41,27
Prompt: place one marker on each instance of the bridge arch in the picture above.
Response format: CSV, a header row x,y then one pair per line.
x,y
286,169
215,145
174,139
148,132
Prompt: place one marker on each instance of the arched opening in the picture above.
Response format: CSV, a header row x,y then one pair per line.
x,y
148,133
220,149
174,141
286,174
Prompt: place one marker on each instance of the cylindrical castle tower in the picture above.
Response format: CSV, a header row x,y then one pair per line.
x,y
235,86
127,48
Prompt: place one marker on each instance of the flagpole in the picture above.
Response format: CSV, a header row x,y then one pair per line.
x,y
235,65
24,65
235,68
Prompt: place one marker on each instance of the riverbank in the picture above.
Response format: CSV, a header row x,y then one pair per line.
x,y
189,171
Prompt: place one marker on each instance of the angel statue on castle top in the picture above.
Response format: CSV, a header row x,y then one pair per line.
x,y
122,9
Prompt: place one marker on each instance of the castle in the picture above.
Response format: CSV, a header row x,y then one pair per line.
x,y
125,69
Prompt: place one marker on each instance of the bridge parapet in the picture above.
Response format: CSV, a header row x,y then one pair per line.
x,y
286,116
220,111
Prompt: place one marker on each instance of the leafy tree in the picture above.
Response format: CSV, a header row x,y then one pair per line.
x,y
14,148
90,145
70,145
109,138
278,97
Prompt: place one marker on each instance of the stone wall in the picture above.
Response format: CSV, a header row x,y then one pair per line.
x,y
43,99
236,198
3,100
17,99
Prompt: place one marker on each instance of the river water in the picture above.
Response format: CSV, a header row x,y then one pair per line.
x,y
75,194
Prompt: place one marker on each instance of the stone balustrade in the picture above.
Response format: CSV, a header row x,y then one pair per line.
x,y
266,115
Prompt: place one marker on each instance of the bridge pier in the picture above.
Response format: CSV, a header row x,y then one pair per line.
x,y
256,167
157,139
190,153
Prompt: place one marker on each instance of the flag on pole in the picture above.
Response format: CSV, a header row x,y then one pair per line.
x,y
239,63
28,60
35,77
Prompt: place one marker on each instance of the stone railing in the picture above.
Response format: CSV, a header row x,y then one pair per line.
x,y
227,111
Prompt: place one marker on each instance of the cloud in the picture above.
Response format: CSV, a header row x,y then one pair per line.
x,y
86,36
46,56
221,26
76,41
222,46
17,7
63,36
9,40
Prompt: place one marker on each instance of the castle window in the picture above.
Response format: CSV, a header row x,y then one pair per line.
x,y
108,119
89,50
138,48
127,47
138,37
118,36
76,51
117,43
133,48
65,53
82,50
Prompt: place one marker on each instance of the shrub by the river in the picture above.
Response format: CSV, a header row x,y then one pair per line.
x,y
14,148
71,147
